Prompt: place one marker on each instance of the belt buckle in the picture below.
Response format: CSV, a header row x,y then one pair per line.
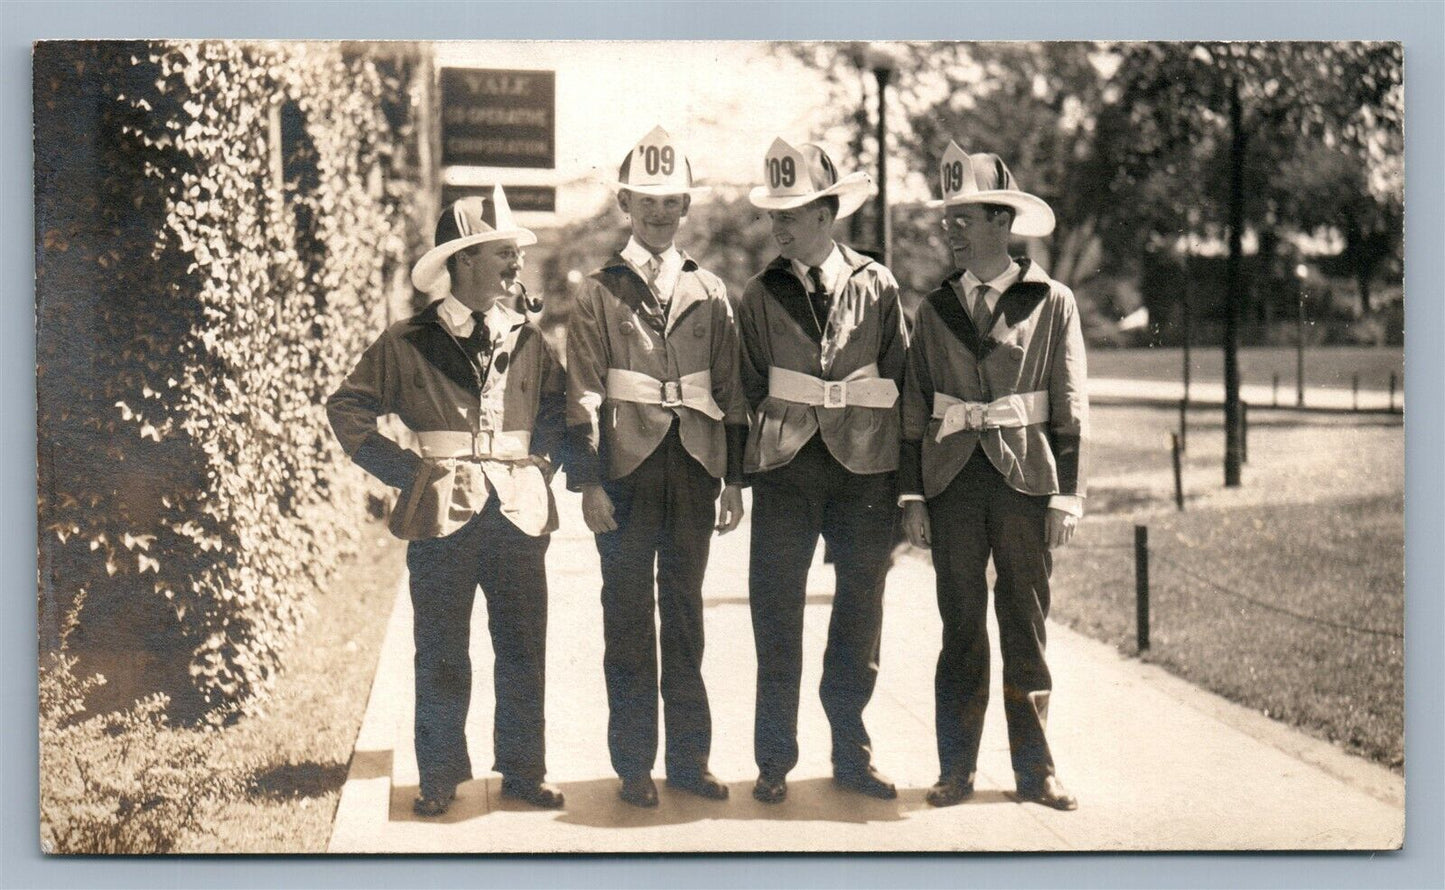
x,y
671,394
835,394
481,444
975,415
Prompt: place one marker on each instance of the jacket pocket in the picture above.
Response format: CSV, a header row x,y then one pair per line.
x,y
765,439
418,512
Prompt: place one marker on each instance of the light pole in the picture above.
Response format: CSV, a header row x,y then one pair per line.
x,y
1301,272
883,61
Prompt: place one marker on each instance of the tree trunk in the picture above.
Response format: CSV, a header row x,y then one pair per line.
x,y
1357,251
1234,295
1363,272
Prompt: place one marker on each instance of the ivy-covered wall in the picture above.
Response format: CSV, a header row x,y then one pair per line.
x,y
219,231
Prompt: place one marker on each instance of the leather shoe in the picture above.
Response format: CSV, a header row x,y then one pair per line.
x,y
867,781
639,791
770,789
1050,792
433,803
538,793
950,790
703,784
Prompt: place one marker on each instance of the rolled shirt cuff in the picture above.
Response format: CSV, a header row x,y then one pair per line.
x,y
1071,504
905,498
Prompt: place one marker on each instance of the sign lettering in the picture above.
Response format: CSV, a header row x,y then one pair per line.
x,y
495,118
528,198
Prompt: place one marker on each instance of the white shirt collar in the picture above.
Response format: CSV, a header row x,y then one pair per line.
x,y
996,285
458,318
638,255
834,270
666,281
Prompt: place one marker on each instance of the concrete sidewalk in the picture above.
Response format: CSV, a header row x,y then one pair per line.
x,y
1258,395
1156,763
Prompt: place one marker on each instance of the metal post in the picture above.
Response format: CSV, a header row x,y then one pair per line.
x,y
1178,474
1243,431
1392,390
1274,392
1183,423
1355,390
885,227
1188,317
1141,585
1299,364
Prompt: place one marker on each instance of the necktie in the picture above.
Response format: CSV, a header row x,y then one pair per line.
x,y
819,297
650,270
981,314
479,342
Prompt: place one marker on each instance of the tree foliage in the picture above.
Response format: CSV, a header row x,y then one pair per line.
x,y
215,227
1322,127
1129,143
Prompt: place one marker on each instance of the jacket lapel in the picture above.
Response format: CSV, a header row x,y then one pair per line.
x,y
1019,301
784,287
628,287
689,293
956,319
1014,305
847,309
432,341
514,322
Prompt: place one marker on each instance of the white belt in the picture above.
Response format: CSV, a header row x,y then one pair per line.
x,y
690,391
481,445
1020,409
863,388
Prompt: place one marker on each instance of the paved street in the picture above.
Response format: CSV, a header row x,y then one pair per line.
x,y
1156,763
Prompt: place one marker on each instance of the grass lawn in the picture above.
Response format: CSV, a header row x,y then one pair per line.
x,y
1330,366
1317,530
295,753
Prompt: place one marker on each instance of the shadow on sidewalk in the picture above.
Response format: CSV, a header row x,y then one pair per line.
x,y
473,802
370,764
594,803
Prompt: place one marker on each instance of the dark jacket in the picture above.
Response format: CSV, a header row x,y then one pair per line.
x,y
418,371
618,323
1037,345
778,329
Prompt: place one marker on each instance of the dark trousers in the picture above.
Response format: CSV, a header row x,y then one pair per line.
x,y
855,514
665,513
978,515
511,568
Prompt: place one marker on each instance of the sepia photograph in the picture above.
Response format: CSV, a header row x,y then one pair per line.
x,y
709,446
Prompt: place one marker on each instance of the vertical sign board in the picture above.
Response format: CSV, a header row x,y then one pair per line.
x,y
499,118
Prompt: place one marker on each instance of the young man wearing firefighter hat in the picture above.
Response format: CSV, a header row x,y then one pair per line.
x,y
656,422
995,421
476,385
823,359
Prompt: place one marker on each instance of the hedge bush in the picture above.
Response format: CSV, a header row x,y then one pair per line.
x,y
124,781
216,227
